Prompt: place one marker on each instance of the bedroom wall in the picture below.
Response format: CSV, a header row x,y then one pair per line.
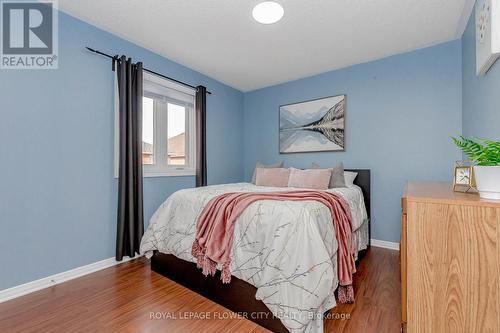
x,y
58,195
480,96
401,112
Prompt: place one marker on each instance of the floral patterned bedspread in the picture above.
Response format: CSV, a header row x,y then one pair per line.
x,y
287,250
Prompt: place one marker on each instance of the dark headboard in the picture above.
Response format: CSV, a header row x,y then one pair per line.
x,y
363,181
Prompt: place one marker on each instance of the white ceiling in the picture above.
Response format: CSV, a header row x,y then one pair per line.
x,y
220,38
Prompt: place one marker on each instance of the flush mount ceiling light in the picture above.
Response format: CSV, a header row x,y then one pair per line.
x,y
268,12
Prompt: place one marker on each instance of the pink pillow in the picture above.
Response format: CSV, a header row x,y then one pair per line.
x,y
275,177
317,179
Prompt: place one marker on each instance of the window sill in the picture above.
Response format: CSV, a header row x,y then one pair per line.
x,y
170,173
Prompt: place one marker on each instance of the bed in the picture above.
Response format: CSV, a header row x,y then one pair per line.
x,y
284,254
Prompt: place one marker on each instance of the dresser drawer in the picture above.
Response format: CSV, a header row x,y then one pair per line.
x,y
450,261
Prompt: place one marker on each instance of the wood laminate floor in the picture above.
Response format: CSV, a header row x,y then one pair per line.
x,y
130,298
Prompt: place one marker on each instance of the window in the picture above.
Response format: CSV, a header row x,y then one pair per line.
x,y
168,129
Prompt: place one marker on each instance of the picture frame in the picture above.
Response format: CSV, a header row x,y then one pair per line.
x,y
463,177
487,22
316,125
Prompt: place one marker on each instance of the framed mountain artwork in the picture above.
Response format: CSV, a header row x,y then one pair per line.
x,y
313,126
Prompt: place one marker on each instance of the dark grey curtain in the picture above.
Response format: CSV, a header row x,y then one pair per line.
x,y
201,136
130,224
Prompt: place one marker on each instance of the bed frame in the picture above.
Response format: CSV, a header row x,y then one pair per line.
x,y
238,296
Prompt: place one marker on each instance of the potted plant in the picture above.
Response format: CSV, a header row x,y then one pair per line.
x,y
486,154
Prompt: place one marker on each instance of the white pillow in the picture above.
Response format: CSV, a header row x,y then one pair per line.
x,y
349,177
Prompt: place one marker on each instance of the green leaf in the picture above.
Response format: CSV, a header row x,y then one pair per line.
x,y
484,152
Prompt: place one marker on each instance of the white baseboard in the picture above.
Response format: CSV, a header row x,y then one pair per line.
x,y
52,280
384,244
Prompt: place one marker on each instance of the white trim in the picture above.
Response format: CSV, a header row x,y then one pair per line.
x,y
52,280
161,81
384,244
55,279
176,94
170,173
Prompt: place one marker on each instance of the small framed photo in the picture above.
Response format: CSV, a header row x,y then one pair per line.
x,y
463,178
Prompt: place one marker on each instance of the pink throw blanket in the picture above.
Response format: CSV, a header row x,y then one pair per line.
x,y
215,231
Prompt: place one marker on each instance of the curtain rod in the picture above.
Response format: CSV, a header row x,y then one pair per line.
x,y
145,69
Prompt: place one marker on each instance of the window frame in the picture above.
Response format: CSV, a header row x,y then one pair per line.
x,y
160,152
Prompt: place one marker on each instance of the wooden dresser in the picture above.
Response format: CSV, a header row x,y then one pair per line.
x,y
450,260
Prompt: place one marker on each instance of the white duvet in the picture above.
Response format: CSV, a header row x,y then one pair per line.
x,y
287,250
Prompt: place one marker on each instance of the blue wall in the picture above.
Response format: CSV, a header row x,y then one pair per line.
x,y
481,95
401,112
58,195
